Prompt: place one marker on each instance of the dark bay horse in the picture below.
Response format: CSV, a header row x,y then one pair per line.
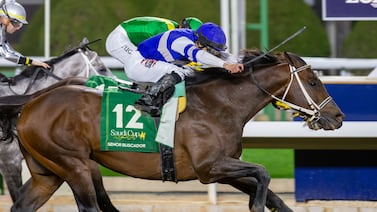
x,y
59,134
77,62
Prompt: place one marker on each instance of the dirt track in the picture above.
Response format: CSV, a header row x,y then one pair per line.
x,y
134,195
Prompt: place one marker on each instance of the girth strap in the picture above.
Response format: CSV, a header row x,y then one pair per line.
x,y
167,163
167,160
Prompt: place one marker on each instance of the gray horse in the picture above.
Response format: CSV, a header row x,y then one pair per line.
x,y
78,62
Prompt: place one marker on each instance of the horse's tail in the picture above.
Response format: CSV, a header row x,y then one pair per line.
x,y
8,116
11,106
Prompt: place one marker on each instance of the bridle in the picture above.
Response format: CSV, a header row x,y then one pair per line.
x,y
88,62
310,115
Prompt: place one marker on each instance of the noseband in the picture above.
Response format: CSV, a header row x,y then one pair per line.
x,y
310,115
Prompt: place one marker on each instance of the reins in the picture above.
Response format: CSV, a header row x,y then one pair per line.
x,y
34,78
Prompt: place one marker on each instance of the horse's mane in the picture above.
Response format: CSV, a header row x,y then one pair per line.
x,y
216,73
290,58
266,60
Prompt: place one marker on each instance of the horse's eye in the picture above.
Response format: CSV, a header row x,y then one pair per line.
x,y
313,83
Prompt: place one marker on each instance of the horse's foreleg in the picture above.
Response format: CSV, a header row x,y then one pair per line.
x,y
38,189
230,169
248,186
103,199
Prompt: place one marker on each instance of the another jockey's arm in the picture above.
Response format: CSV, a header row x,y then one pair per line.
x,y
12,55
27,61
39,63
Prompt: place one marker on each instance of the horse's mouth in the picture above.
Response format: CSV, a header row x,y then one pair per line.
x,y
326,123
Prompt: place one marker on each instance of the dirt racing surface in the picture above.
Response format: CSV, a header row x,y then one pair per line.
x,y
135,195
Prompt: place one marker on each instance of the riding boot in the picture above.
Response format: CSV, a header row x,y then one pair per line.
x,y
152,101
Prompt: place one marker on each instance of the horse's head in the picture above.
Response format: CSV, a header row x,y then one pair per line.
x,y
292,85
307,96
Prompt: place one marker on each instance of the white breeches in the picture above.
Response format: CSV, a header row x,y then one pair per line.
x,y
136,67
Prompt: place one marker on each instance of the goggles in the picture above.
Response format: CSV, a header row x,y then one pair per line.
x,y
210,50
16,23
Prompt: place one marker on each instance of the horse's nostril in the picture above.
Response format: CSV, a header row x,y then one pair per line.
x,y
340,116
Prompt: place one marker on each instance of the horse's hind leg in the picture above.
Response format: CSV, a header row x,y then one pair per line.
x,y
103,199
38,189
248,186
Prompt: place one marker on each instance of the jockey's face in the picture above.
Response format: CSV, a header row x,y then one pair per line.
x,y
12,25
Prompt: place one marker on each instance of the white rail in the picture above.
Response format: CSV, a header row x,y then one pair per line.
x,y
316,62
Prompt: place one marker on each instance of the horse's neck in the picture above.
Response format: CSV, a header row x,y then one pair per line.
x,y
239,98
74,66
25,85
229,102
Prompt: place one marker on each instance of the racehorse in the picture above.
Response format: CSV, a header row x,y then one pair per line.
x,y
63,144
80,62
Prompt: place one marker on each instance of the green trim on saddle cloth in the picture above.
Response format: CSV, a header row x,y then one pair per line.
x,y
101,82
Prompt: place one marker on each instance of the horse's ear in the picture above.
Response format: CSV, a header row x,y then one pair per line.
x,y
84,41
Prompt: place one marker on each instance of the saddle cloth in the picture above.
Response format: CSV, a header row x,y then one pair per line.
x,y
124,128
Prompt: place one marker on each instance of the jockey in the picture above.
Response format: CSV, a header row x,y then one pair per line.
x,y
12,18
122,43
204,46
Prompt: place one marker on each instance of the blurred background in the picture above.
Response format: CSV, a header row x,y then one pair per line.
x,y
73,20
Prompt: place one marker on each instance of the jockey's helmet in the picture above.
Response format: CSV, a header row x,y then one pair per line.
x,y
211,35
15,12
191,23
